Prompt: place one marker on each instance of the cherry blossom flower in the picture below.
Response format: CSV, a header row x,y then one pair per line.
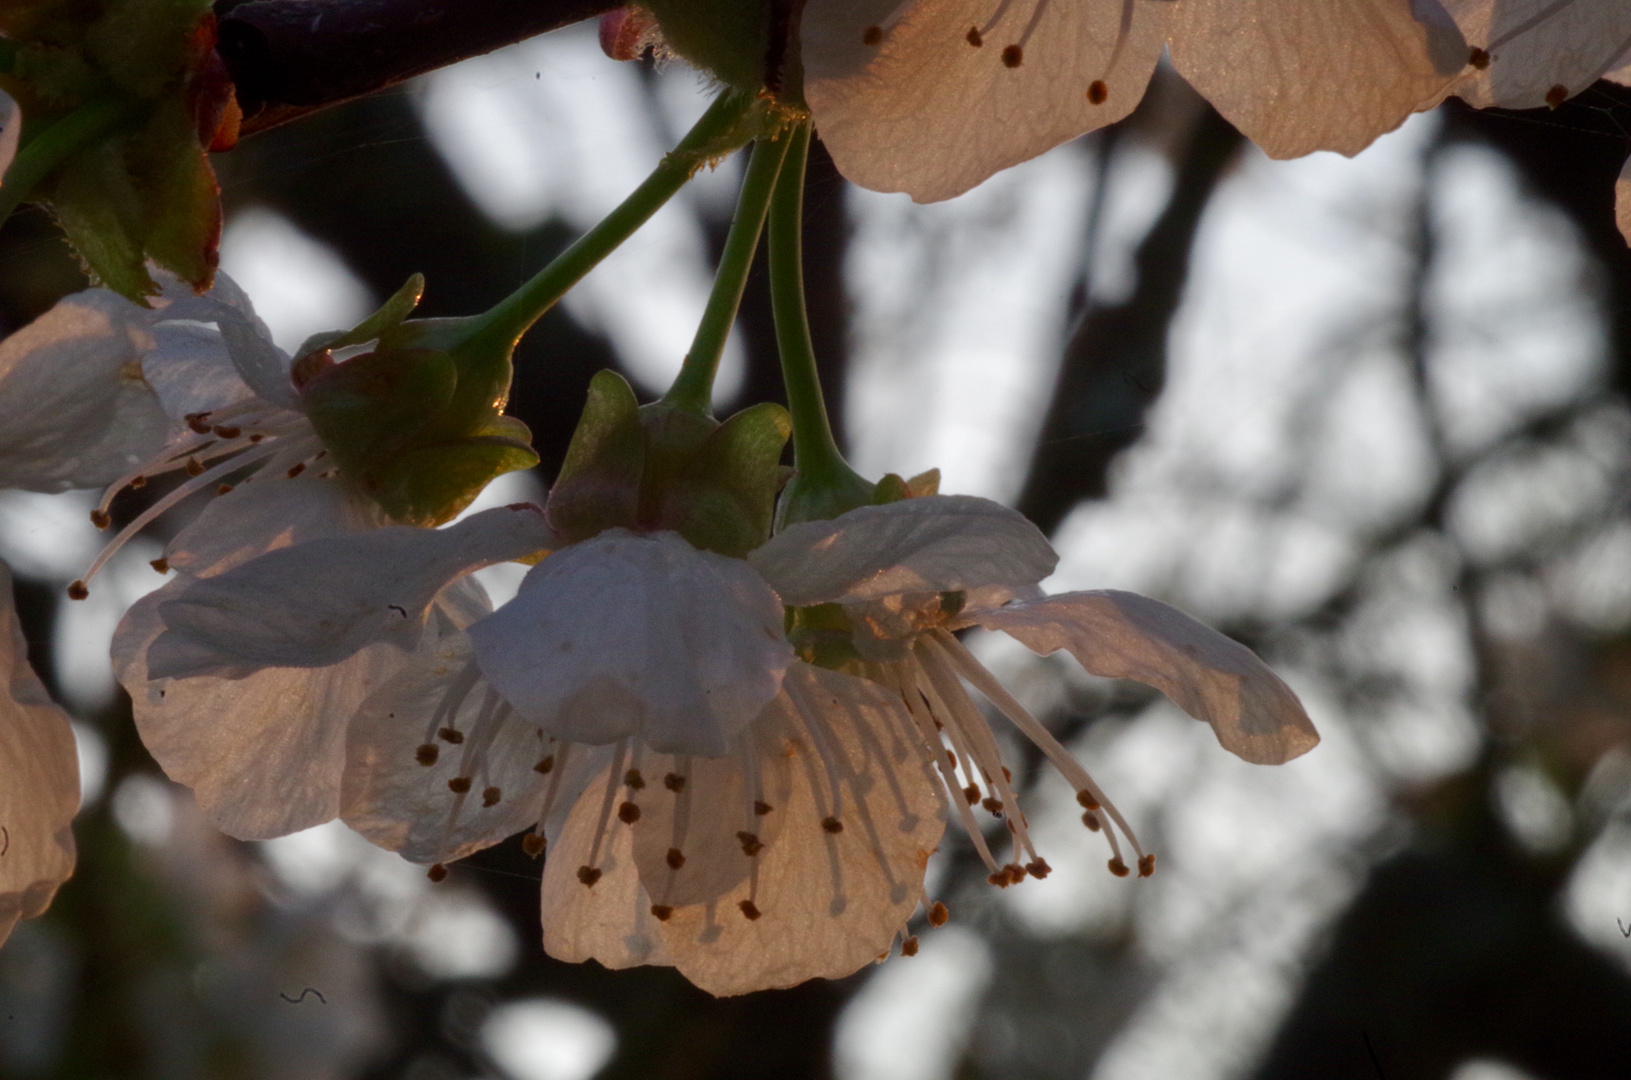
x,y
1529,53
40,794
752,804
931,97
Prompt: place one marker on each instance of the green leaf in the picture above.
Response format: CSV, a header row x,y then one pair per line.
x,y
100,209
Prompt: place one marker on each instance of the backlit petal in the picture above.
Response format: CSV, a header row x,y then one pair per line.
x,y
315,604
1539,51
1297,76
906,101
75,410
1622,201
1122,635
933,544
40,790
638,635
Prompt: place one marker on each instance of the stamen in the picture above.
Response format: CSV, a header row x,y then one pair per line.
x,y
491,796
437,873
676,858
751,912
162,565
459,785
909,946
544,766
449,734
751,844
938,914
1097,92
832,825
662,912
628,813
974,37
761,808
588,875
533,844
633,780
427,754
1013,56
674,782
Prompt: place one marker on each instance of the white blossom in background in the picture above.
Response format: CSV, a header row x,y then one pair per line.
x,y
931,98
40,793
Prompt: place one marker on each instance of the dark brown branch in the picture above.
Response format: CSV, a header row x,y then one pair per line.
x,y
292,57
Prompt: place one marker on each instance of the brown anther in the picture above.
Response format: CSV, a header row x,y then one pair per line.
x,y
972,794
1118,868
161,565
1146,866
1478,58
999,879
452,735
199,422
491,796
78,591
938,914
223,489
437,872
427,754
762,808
974,37
872,35
1097,92
951,756
662,912
676,858
256,437
628,813
137,483
296,469
194,467
633,780
1006,775
832,825
1015,872
1013,56
749,910
1556,96
1091,820
909,946
993,805
533,844
674,782
588,875
459,785
1086,800
228,432
1039,868
100,519
543,767
751,844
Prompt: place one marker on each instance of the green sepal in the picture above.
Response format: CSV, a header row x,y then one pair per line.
x,y
598,487
809,498
386,417
432,484
389,315
723,499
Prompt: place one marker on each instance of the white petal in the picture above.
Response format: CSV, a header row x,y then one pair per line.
x,y
11,129
1622,201
1537,45
1297,76
269,512
261,364
405,806
612,921
263,754
189,369
638,635
905,102
829,903
314,604
704,820
74,408
40,792
934,544
1122,635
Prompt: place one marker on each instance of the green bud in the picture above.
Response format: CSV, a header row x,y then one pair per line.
x,y
419,428
730,38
